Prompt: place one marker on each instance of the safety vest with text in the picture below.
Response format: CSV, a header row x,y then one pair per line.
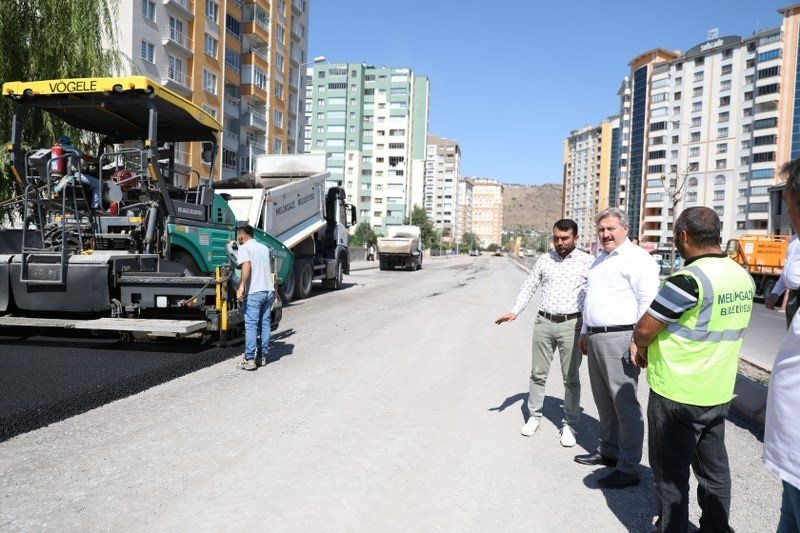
x,y
695,359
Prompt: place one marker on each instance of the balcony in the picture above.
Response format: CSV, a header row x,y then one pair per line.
x,y
231,106
256,23
297,7
257,58
178,80
230,140
295,33
183,158
177,40
254,91
254,119
184,7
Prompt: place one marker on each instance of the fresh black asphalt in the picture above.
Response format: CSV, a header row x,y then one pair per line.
x,y
44,379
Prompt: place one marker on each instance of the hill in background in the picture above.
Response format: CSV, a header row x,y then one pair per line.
x,y
531,207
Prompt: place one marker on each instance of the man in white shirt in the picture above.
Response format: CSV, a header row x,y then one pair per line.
x,y
792,254
561,274
782,428
622,283
257,293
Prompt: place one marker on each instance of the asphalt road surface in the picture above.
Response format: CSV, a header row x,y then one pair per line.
x,y
394,404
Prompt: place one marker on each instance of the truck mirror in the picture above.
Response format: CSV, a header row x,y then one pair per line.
x,y
352,216
208,152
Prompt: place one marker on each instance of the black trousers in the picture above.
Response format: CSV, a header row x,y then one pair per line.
x,y
680,436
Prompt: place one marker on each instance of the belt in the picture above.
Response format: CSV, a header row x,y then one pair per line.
x,y
558,318
608,329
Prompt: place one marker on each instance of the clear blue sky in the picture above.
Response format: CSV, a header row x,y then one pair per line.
x,y
510,79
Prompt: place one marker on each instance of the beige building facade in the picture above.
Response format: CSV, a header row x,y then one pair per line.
x,y
487,211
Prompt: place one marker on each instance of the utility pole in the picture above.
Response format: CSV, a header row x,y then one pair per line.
x,y
674,189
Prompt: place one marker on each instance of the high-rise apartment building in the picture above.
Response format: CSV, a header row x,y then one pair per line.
x,y
619,151
487,210
588,155
372,122
442,170
704,131
464,217
240,61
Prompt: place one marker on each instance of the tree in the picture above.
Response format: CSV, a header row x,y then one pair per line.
x,y
364,235
430,237
469,241
42,40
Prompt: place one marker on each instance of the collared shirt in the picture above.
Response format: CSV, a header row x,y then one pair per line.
x,y
621,286
782,430
792,258
563,283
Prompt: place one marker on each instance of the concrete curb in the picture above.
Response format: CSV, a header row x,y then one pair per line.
x,y
749,397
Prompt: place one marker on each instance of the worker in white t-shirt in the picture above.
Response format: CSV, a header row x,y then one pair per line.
x,y
257,293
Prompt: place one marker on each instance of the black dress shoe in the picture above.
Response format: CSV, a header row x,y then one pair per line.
x,y
619,480
595,458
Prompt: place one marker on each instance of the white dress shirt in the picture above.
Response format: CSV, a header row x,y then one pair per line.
x,y
792,257
563,283
782,428
621,286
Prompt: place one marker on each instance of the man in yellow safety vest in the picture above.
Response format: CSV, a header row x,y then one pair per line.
x,y
689,340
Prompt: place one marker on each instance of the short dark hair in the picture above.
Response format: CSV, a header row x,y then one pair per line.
x,y
791,172
701,224
566,224
247,229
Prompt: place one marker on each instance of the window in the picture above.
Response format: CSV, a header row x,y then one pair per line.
x,y
259,78
279,62
660,97
148,52
722,132
657,154
209,81
747,112
697,106
233,26
210,110
724,101
654,197
697,91
698,76
694,151
772,38
719,195
149,9
694,167
694,137
763,156
692,182
721,163
335,86
277,146
676,96
767,89
768,72
765,123
766,56
210,46
175,70
746,144
212,10
176,31
764,139
724,116
691,196
278,90
727,69
655,169
697,121
656,126
281,33
748,96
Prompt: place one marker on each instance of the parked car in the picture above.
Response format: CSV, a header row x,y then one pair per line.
x,y
498,253
474,253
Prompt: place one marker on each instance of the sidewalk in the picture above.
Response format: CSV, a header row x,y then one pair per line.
x,y
749,397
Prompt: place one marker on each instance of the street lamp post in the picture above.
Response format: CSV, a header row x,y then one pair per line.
x,y
318,59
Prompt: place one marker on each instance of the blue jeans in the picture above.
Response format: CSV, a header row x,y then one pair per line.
x,y
257,310
680,436
790,509
91,181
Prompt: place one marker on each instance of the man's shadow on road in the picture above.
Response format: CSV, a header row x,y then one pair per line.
x,y
635,506
278,347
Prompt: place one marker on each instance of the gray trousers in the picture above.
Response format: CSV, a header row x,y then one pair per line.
x,y
614,382
547,336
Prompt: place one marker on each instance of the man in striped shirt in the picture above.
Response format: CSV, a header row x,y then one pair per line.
x,y
561,275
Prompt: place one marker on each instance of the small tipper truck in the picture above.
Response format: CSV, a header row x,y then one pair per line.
x,y
763,256
285,197
402,247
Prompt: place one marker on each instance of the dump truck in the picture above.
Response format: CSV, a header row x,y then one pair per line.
x,y
763,256
285,197
402,247
158,258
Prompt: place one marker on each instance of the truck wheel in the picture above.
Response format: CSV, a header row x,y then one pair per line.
x,y
382,265
767,288
419,265
287,289
335,283
303,276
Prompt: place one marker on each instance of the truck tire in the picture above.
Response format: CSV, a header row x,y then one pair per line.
x,y
419,265
287,289
335,283
382,265
303,276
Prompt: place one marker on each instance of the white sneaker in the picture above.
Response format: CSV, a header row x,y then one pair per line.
x,y
530,427
567,437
